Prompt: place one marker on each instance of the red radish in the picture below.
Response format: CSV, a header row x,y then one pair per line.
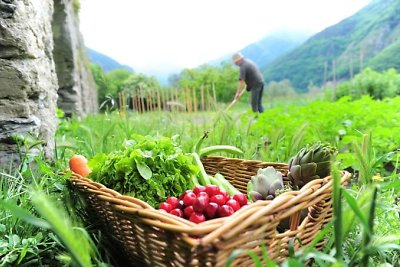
x,y
200,204
211,210
199,188
241,198
184,194
225,210
177,212
189,198
188,211
165,206
234,204
203,194
174,201
225,194
212,190
197,217
219,199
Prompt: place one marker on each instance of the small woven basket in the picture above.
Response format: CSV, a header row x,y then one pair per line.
x,y
150,237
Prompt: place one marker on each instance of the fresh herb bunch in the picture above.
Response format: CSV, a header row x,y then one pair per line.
x,y
148,168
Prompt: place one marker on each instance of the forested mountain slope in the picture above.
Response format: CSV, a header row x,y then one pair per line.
x,y
368,38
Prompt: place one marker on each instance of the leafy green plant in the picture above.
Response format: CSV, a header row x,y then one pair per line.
x,y
372,83
259,261
148,168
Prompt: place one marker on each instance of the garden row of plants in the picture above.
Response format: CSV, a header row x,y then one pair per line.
x,y
43,224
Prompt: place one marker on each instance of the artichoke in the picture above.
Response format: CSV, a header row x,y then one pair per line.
x,y
264,185
310,163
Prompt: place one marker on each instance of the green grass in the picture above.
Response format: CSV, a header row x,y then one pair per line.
x,y
366,228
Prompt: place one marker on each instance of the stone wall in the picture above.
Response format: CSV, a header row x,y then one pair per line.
x,y
43,64
28,81
77,88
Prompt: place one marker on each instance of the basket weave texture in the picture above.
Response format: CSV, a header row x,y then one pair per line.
x,y
153,238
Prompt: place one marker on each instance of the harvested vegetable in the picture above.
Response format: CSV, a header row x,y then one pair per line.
x,y
148,168
311,162
79,164
208,203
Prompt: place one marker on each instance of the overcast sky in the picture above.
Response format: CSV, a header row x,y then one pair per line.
x,y
167,35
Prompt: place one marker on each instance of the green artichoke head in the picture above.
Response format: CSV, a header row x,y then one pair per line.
x,y
311,162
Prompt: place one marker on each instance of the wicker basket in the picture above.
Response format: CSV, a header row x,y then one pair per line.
x,y
153,238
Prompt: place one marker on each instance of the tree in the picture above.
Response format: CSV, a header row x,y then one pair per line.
x,y
280,89
117,79
101,82
370,82
223,77
140,81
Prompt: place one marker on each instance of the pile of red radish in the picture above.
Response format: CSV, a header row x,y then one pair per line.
x,y
204,203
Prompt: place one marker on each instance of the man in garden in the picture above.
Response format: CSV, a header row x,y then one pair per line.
x,y
250,77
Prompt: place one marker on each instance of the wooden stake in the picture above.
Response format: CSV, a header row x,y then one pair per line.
x,y
158,99
202,97
184,98
139,106
169,94
208,98
147,98
194,100
163,102
172,99
141,99
152,100
188,100
215,96
177,100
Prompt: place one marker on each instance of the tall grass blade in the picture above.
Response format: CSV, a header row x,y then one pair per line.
x,y
363,202
291,262
291,249
76,243
337,213
368,231
237,252
297,139
356,209
391,185
24,215
320,236
320,257
267,259
364,157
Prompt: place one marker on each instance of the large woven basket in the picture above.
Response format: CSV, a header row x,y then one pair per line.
x,y
149,237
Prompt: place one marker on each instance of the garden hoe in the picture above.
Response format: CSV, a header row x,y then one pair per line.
x,y
234,101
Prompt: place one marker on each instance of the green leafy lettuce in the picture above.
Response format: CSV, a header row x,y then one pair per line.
x,y
148,168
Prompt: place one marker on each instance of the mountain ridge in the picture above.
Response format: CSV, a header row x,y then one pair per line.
x,y
348,46
269,47
105,62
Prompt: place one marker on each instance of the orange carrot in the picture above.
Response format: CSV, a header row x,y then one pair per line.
x,y
78,164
